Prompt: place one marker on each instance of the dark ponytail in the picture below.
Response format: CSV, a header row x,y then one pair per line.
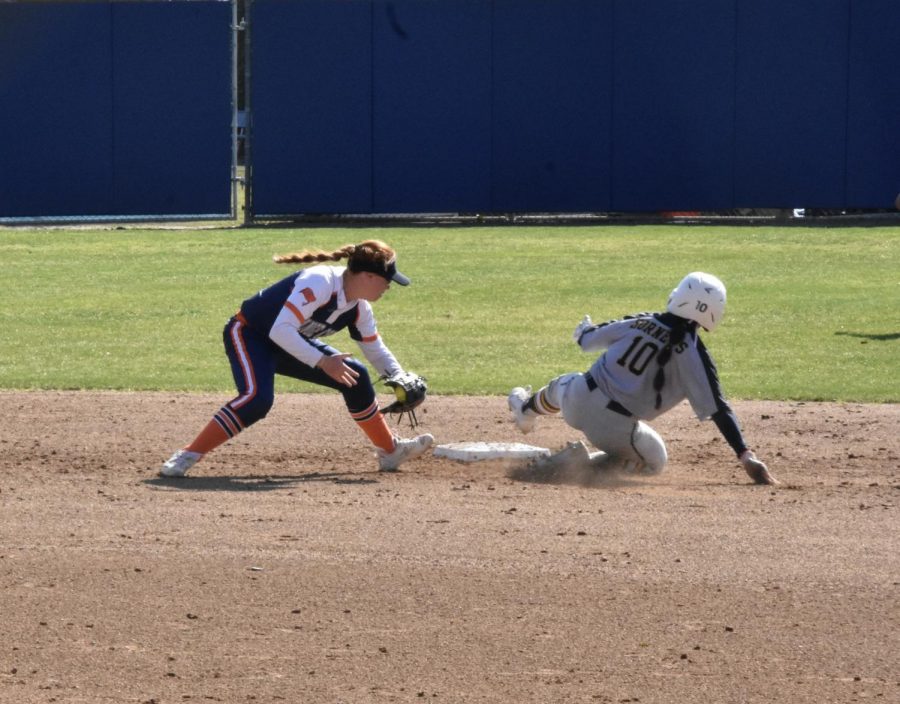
x,y
680,328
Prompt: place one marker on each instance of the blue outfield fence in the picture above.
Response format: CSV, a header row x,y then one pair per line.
x,y
450,106
115,109
574,105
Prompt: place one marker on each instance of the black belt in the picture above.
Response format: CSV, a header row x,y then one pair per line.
x,y
614,406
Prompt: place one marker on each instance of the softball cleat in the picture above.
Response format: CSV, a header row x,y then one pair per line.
x,y
518,397
403,450
179,463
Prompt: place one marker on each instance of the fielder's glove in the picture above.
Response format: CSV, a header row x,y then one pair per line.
x,y
757,470
585,325
410,390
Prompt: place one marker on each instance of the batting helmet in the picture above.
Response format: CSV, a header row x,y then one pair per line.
x,y
699,297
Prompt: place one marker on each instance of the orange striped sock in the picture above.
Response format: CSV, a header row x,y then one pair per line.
x,y
217,431
376,428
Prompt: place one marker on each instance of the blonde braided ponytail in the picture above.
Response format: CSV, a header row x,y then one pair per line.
x,y
315,255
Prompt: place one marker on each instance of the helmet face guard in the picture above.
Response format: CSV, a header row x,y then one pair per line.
x,y
699,297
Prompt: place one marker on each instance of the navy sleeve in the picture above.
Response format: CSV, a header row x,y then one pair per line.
x,y
727,423
712,375
724,417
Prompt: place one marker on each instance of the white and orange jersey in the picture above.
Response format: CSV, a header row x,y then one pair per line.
x,y
309,304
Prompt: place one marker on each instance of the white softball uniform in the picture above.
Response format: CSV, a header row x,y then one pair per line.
x,y
611,402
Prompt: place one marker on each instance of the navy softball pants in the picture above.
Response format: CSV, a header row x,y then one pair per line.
x,y
255,360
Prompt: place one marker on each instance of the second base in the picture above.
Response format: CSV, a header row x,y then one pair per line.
x,y
476,451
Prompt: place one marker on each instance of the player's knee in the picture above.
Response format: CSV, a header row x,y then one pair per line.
x,y
360,369
650,448
256,409
362,394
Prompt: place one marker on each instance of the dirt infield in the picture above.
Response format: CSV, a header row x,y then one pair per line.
x,y
285,569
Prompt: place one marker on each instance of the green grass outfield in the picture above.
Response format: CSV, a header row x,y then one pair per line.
x,y
813,313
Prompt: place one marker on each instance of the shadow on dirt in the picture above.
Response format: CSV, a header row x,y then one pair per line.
x,y
538,473
256,483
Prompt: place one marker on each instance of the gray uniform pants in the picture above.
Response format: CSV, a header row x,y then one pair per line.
x,y
630,443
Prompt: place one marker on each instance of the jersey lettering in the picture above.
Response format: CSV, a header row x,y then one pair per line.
x,y
649,327
637,356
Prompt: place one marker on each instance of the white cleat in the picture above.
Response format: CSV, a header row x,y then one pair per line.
x,y
179,463
403,450
524,421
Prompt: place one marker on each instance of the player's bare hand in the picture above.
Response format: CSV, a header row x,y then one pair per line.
x,y
335,367
757,469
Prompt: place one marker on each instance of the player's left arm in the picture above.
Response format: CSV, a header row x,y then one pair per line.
x,y
365,332
727,423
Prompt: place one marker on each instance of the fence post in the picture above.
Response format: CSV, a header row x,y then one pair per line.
x,y
246,35
240,117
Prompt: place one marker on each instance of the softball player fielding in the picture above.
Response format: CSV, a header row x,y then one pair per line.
x,y
277,331
652,362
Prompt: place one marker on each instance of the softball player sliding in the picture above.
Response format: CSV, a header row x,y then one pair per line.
x,y
277,331
652,362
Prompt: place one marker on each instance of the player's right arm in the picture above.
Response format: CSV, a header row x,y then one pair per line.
x,y
598,337
310,292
